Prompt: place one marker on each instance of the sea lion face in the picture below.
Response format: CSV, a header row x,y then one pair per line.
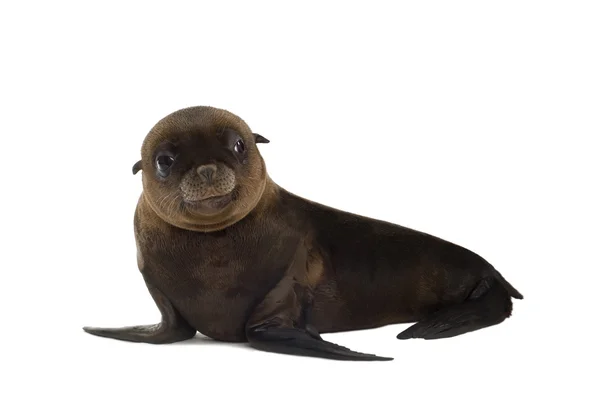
x,y
201,169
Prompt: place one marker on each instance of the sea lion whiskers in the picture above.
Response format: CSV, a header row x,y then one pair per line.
x,y
163,200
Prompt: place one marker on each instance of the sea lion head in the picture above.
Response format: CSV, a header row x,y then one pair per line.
x,y
201,169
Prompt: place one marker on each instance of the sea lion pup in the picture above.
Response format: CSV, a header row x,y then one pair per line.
x,y
227,252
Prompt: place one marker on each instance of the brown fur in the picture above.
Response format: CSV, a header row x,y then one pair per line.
x,y
275,269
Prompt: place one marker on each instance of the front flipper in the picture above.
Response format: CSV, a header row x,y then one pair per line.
x,y
280,323
300,342
172,328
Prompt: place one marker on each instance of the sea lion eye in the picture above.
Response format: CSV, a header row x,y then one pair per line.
x,y
239,147
163,164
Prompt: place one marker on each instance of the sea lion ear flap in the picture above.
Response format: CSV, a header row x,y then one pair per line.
x,y
260,139
137,167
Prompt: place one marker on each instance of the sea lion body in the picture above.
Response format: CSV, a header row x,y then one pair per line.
x,y
276,269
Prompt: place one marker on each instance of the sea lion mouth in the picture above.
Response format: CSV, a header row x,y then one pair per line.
x,y
210,205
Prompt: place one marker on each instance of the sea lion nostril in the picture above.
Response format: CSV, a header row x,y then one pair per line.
x,y
207,171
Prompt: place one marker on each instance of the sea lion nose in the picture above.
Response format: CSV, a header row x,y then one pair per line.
x,y
207,172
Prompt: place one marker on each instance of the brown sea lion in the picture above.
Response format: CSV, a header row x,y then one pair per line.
x,y
227,252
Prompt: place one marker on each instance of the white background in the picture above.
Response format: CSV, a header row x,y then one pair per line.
x,y
473,121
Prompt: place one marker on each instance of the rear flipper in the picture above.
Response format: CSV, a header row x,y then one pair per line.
x,y
303,342
489,304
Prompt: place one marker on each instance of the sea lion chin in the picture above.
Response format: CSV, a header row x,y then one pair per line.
x,y
227,252
209,206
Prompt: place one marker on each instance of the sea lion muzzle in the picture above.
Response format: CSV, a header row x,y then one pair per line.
x,y
210,185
